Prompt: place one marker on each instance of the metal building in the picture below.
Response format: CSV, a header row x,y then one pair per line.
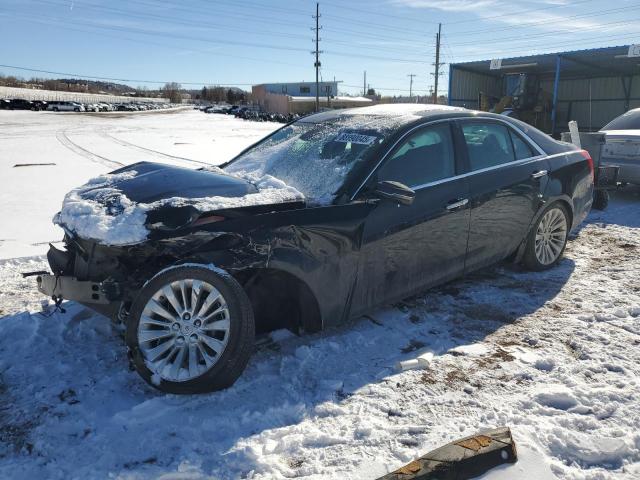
x,y
589,86
300,89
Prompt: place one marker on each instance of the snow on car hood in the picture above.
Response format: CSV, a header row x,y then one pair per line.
x,y
112,208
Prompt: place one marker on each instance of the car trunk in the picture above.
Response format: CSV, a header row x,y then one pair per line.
x,y
622,144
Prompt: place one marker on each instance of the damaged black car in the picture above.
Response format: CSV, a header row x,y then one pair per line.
x,y
325,219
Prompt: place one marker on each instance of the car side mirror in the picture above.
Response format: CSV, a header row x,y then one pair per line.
x,y
396,191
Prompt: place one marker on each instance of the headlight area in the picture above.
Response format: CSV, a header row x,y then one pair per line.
x,y
174,218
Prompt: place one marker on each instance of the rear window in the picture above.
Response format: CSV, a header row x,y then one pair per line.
x,y
628,121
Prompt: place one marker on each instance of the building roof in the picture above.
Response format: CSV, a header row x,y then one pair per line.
x,y
322,98
579,63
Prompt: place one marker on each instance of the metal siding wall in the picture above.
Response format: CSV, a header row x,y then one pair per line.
x,y
465,87
635,86
607,94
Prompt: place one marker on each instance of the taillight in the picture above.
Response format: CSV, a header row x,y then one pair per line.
x,y
587,156
206,220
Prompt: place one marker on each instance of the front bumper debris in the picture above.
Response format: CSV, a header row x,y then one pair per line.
x,y
70,288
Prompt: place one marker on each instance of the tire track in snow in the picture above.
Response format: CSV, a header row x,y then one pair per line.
x,y
124,143
64,139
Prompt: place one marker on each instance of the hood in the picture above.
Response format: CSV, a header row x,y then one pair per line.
x,y
156,181
122,207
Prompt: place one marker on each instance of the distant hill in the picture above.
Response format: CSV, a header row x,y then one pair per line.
x,y
76,85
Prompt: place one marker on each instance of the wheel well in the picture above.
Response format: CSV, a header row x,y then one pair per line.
x,y
280,300
569,209
516,256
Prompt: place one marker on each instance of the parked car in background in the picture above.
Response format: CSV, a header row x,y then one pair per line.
x,y
622,146
376,204
60,106
21,104
40,105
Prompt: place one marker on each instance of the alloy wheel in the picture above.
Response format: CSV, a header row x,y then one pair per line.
x,y
183,330
551,236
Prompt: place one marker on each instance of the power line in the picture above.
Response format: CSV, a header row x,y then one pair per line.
x,y
545,22
553,33
521,12
112,79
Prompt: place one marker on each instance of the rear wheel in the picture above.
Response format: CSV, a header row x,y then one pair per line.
x,y
191,330
547,239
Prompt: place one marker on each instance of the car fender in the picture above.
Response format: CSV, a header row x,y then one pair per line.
x,y
547,200
309,253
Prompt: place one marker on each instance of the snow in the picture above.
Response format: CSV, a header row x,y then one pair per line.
x,y
554,355
401,109
92,218
312,158
85,146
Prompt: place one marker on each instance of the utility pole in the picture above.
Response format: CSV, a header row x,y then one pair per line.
x,y
411,75
317,53
364,84
437,64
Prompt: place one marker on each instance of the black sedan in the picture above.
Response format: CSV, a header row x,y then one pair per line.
x,y
325,219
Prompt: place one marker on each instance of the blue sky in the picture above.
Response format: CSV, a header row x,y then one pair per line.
x,y
235,42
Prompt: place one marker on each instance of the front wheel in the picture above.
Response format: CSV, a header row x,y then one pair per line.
x,y
547,239
191,330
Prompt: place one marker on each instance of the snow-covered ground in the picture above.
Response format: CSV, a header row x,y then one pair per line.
x,y
84,146
553,355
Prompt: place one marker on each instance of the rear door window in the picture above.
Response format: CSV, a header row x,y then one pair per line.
x,y
521,147
425,156
488,144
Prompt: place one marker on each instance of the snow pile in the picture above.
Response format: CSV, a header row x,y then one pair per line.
x,y
108,216
101,212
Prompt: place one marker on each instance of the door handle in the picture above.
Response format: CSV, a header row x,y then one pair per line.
x,y
457,203
539,174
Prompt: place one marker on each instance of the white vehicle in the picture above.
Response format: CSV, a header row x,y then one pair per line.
x,y
105,107
92,107
623,146
65,107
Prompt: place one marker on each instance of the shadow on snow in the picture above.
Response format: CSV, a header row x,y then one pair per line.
x,y
69,374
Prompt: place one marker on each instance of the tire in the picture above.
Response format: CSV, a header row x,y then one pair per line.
x,y
55,109
600,200
198,372
552,238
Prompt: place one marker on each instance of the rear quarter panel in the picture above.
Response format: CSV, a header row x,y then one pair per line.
x,y
570,181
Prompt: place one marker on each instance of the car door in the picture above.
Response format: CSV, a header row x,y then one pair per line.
x,y
406,248
507,176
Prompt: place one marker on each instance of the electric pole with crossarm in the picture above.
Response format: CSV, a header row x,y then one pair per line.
x,y
411,75
317,53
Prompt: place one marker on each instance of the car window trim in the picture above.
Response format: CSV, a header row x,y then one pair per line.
x,y
453,151
395,144
536,147
527,138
